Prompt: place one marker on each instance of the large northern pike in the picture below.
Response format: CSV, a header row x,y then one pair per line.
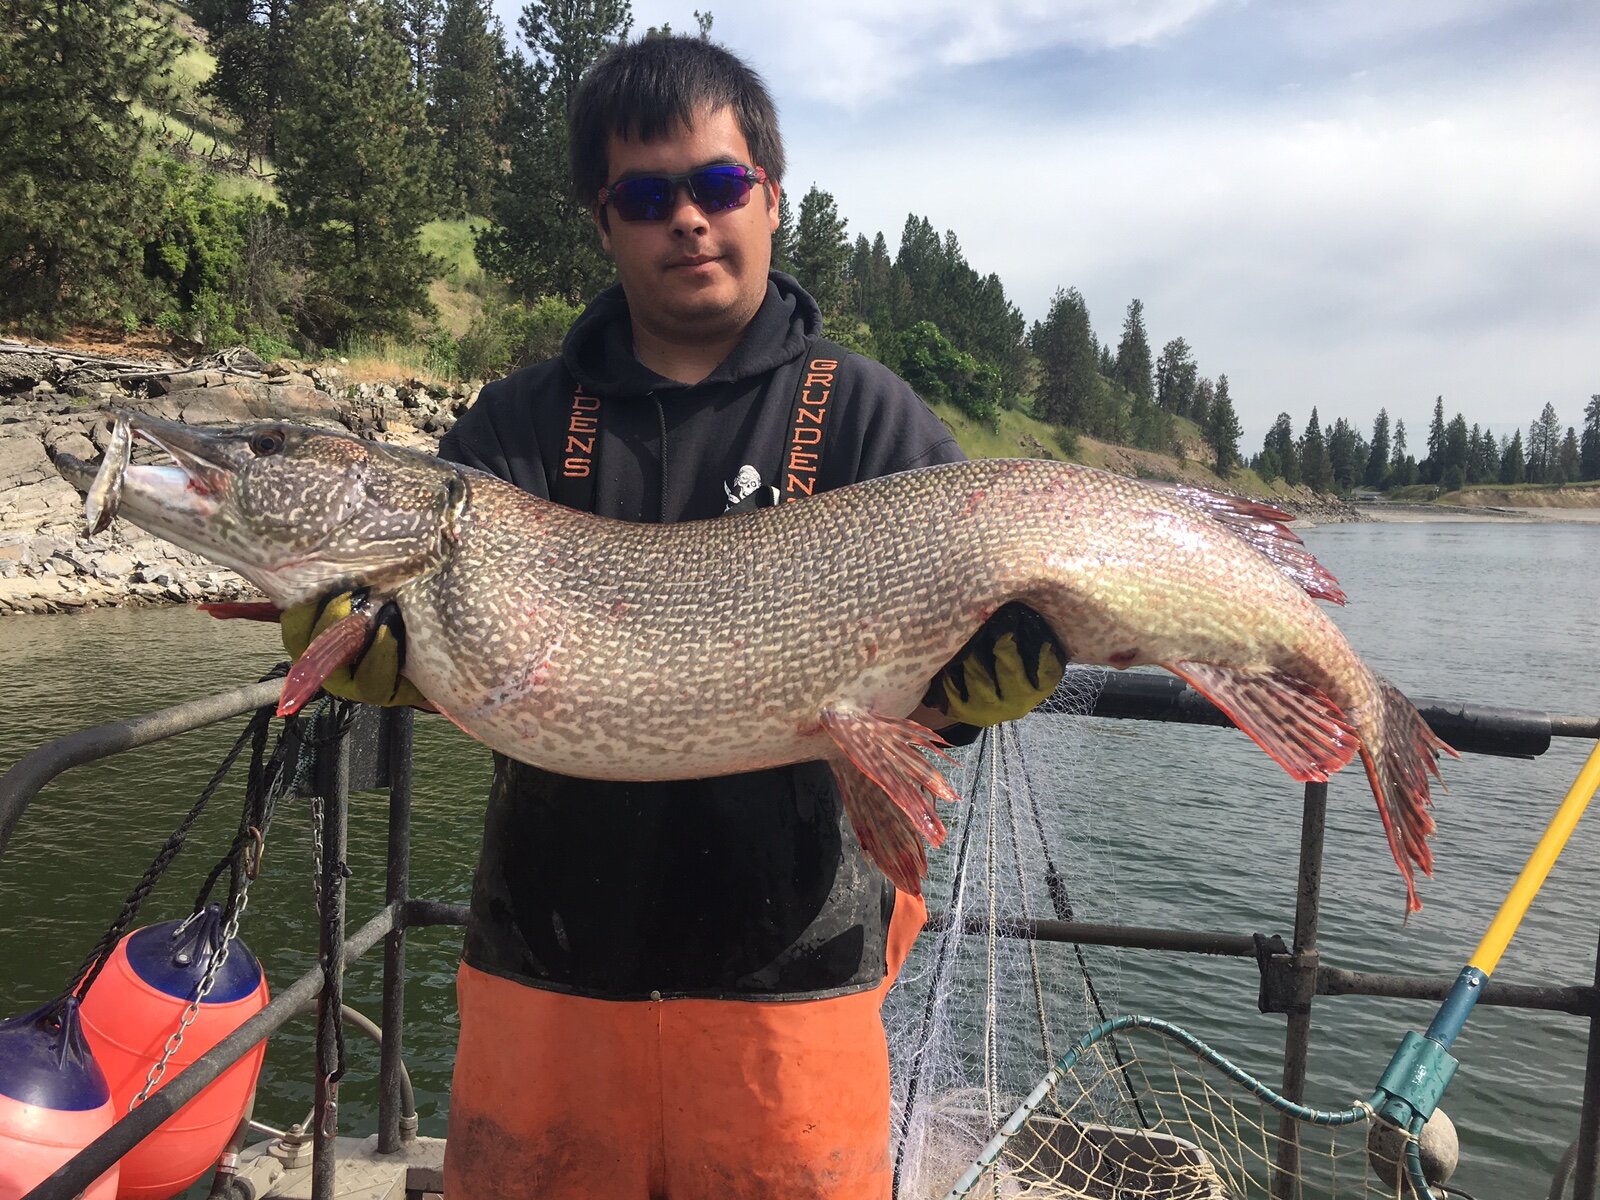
x,y
613,650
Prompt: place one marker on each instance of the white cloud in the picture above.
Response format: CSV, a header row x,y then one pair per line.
x,y
1375,252
853,54
1347,203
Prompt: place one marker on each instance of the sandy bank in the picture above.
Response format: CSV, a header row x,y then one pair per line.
x,y
1448,513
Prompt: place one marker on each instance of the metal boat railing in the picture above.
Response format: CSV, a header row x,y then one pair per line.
x,y
376,753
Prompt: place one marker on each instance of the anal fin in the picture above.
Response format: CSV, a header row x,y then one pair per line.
x,y
890,790
1303,731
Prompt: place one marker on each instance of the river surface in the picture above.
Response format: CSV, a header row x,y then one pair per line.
x,y
1182,827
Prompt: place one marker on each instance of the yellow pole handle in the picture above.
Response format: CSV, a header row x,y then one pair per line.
x,y
1487,956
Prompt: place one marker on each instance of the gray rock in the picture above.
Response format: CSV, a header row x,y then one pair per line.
x,y
22,460
113,566
165,385
20,371
73,442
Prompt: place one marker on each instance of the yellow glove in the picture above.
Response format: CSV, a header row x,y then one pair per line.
x,y
1006,670
374,677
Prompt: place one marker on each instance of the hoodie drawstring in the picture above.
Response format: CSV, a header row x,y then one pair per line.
x,y
661,422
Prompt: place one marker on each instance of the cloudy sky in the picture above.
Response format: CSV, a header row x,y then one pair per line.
x,y
1351,204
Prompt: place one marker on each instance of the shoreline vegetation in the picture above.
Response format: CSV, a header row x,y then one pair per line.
x,y
54,400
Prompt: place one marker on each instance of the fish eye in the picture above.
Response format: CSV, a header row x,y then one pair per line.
x,y
267,442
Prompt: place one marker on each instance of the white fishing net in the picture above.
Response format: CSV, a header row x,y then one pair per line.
x,y
977,1017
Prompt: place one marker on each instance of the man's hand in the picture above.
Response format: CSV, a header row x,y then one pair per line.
x,y
373,677
1006,670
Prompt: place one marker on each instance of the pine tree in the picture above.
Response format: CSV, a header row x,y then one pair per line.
x,y
1200,403
1064,345
76,194
822,251
873,284
1346,455
918,262
1513,463
467,100
1316,470
540,238
1133,355
1222,430
1278,453
1483,457
1433,465
1399,474
252,42
1455,454
1377,471
1589,451
1567,458
415,25
1544,446
352,176
1176,374
784,236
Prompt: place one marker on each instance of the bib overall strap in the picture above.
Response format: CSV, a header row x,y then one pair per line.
x,y
813,398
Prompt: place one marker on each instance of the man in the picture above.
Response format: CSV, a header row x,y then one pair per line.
x,y
674,989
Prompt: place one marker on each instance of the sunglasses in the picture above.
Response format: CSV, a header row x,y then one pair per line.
x,y
715,189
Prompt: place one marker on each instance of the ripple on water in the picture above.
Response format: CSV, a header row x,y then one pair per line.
x,y
1160,826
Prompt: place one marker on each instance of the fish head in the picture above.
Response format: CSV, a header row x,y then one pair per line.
x,y
299,512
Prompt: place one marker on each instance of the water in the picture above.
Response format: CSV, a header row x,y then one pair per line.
x,y
1184,827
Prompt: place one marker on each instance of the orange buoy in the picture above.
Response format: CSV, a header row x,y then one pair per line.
x,y
53,1101
136,1004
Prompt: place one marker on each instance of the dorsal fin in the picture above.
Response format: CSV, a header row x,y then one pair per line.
x,y
1266,527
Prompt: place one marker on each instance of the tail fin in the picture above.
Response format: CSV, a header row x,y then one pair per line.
x,y
1406,753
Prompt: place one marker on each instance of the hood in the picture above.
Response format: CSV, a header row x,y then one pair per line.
x,y
599,348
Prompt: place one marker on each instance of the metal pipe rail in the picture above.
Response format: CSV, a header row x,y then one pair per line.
x,y
32,771
1290,979
296,999
1470,728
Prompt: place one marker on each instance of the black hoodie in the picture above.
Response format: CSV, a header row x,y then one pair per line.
x,y
743,886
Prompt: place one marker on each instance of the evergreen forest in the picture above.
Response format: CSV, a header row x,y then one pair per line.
x,y
304,176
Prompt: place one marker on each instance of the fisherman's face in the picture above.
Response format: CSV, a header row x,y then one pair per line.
x,y
695,276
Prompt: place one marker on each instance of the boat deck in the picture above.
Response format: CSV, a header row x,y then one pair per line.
x,y
415,1172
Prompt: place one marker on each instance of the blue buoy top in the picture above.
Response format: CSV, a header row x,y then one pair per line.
x,y
175,963
44,1061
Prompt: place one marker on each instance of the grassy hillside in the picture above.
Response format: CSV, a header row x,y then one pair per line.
x,y
199,130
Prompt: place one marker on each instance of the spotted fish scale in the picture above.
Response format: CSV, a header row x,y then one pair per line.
x,y
615,650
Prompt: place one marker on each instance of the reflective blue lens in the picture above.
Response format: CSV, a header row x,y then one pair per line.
x,y
650,197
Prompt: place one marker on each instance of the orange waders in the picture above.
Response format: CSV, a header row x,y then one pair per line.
x,y
560,1097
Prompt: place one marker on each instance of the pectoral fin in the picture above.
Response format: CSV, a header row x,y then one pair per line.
x,y
889,790
339,645
1305,733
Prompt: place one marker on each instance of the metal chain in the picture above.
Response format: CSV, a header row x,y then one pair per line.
x,y
218,957
316,848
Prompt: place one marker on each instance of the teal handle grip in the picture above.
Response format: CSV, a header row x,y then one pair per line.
x,y
1414,1080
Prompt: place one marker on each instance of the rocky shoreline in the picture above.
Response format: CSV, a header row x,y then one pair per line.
x,y
52,403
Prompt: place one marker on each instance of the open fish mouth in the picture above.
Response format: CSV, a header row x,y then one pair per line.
x,y
189,486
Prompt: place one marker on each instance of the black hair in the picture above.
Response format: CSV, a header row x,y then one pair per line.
x,y
642,90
